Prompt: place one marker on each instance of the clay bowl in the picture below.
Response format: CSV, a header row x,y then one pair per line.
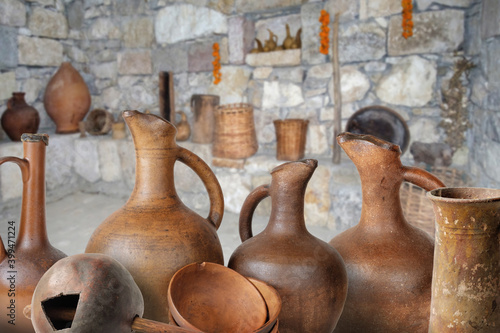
x,y
212,298
273,302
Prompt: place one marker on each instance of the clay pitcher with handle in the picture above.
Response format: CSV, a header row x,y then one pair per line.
x,y
154,234
389,261
308,273
24,260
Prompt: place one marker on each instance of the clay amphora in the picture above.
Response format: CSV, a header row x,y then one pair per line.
x,y
154,234
308,273
19,117
297,44
389,262
259,47
25,260
466,276
203,107
67,99
288,41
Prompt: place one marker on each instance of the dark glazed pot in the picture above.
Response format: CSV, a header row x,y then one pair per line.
x,y
25,260
308,273
466,277
389,262
154,234
19,117
67,99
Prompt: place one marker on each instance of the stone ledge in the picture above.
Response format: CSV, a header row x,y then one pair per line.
x,y
276,58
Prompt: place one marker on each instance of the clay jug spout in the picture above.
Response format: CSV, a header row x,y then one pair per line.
x,y
367,151
298,172
150,131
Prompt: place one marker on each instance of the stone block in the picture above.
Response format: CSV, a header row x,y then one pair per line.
x,y
424,130
346,204
274,59
264,207
109,160
424,4
317,200
354,85
224,6
126,151
490,25
378,8
111,97
35,51
10,175
59,162
361,41
293,74
260,164
13,13
86,162
138,33
410,82
245,6
322,71
47,23
135,62
228,163
8,49
309,14
76,13
200,56
240,38
434,32
8,85
491,160
103,28
317,140
43,2
182,22
33,88
130,7
106,70
233,85
262,73
235,186
281,94
76,54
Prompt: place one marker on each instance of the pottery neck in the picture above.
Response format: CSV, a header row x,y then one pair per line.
x,y
156,153
287,191
17,100
32,228
381,172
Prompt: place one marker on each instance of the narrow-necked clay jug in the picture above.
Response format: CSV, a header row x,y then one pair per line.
x,y
309,274
154,234
19,117
466,276
25,260
67,99
288,41
389,262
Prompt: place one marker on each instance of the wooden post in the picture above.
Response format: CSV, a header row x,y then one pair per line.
x,y
166,92
337,96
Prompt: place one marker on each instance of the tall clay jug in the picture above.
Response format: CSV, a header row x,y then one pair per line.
x,y
466,277
203,107
19,117
67,99
25,260
309,274
389,262
154,234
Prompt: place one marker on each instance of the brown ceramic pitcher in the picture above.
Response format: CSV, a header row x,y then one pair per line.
x,y
389,262
466,276
154,234
19,117
25,260
308,273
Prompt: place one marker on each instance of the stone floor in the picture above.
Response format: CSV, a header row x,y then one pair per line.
x,y
72,220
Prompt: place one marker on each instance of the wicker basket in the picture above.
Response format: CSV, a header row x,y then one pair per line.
x,y
291,139
417,209
234,135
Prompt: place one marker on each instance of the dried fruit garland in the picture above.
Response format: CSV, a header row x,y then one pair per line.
x,y
407,22
216,72
324,18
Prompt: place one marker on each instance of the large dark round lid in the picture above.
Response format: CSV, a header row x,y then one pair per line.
x,y
382,122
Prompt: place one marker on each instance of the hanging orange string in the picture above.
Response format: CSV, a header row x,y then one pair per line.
x,y
407,22
324,18
216,72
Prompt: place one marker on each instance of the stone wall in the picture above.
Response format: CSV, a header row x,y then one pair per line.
x,y
120,47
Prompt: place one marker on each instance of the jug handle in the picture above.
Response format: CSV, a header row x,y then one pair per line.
x,y
422,178
248,208
209,180
24,166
